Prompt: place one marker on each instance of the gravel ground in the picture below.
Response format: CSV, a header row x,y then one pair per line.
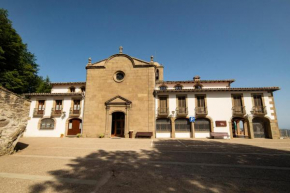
x,y
145,165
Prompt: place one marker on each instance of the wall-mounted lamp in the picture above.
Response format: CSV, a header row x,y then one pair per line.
x,y
63,114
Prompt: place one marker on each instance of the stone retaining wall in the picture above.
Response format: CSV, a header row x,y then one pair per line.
x,y
14,111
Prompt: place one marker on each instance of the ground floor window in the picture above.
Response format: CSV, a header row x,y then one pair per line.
x,y
47,124
182,125
163,125
202,125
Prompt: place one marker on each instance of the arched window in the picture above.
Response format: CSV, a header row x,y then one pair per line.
x,y
47,124
182,125
261,127
202,125
83,89
163,125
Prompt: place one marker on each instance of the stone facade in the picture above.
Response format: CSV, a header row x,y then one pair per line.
x,y
14,111
137,87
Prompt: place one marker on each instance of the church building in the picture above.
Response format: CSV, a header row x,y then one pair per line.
x,y
127,97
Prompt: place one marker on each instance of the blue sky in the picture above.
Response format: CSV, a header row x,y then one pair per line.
x,y
247,40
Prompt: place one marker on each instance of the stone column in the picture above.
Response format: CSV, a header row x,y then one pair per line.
x,y
192,133
238,127
245,128
172,127
107,129
251,130
127,123
231,130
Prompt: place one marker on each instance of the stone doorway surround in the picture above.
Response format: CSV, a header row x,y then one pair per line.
x,y
117,104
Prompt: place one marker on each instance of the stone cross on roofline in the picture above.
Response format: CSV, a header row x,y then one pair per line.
x,y
120,50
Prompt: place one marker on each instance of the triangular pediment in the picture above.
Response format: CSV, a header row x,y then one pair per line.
x,y
118,100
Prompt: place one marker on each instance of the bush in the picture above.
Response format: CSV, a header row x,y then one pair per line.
x,y
79,135
101,135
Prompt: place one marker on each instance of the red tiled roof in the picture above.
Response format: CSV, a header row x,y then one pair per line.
x,y
53,94
66,83
221,89
192,81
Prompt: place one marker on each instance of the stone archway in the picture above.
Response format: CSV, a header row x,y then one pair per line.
x,y
261,127
116,105
240,127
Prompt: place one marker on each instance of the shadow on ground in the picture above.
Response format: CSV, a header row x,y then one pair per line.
x,y
176,166
20,146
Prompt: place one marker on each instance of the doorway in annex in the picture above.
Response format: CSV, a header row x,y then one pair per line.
x,y
74,126
118,124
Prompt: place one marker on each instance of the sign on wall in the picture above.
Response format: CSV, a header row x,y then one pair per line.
x,y
191,119
221,123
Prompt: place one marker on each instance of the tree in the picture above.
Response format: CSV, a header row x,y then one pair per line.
x,y
18,67
44,85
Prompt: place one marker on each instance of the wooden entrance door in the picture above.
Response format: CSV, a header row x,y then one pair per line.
x,y
118,123
74,127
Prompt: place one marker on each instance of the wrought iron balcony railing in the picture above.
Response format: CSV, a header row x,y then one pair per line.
x,y
200,111
75,112
259,110
56,112
181,111
163,111
38,112
238,110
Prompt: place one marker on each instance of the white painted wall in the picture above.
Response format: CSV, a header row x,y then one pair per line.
x,y
190,85
182,135
202,135
32,129
65,88
219,106
163,135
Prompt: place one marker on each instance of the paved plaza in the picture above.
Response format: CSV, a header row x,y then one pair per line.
x,y
145,165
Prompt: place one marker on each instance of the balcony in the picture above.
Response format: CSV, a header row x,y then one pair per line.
x,y
259,110
163,111
181,111
38,112
74,112
200,111
238,111
56,113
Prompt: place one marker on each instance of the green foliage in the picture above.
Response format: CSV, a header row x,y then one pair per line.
x,y
101,135
18,67
79,135
44,85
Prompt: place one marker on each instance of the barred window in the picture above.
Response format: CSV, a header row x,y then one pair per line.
x,y
202,125
163,125
182,125
47,124
178,87
163,87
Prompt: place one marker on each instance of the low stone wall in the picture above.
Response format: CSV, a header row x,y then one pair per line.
x,y
14,111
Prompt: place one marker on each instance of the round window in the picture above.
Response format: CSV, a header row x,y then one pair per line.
x,y
119,76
